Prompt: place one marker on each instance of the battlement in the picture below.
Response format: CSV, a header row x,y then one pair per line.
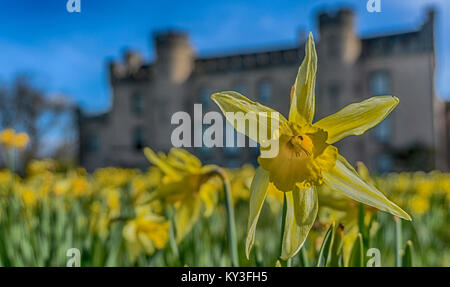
x,y
170,38
342,17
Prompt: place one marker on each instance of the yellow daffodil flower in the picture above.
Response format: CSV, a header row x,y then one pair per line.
x,y
10,139
307,159
147,232
187,185
5,176
420,204
113,202
28,196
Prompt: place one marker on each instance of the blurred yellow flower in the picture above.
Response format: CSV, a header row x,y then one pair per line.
x,y
147,232
5,176
10,139
28,197
79,185
241,180
99,220
187,185
37,167
420,204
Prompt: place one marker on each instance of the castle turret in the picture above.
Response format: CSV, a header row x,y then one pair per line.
x,y
338,39
338,50
174,56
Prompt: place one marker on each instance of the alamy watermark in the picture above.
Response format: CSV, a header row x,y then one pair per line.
x,y
375,257
261,127
373,6
74,255
73,6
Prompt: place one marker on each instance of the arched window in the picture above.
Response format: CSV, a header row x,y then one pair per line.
x,y
137,103
265,91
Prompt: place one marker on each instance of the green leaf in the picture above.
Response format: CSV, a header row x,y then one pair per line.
x,y
357,254
407,260
336,250
325,249
398,242
304,262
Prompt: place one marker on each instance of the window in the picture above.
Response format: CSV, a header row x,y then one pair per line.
x,y
138,138
137,103
334,94
93,143
380,84
383,131
240,88
384,163
204,95
265,91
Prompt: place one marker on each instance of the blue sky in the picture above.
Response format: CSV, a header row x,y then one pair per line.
x,y
67,52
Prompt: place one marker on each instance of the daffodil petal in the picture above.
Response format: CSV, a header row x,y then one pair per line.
x,y
357,118
146,243
294,234
209,193
129,232
179,157
258,192
305,205
303,99
186,215
259,117
344,178
154,159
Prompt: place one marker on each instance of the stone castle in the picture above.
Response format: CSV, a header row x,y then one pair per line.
x,y
351,68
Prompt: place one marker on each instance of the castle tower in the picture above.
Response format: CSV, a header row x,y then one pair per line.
x,y
174,56
338,51
338,41
174,62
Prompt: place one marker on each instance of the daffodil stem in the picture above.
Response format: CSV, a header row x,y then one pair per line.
x,y
172,240
304,257
11,160
231,225
283,225
398,241
173,244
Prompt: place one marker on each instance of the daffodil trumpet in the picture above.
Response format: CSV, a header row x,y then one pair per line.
x,y
307,161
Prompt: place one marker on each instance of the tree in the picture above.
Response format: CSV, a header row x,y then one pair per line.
x,y
25,107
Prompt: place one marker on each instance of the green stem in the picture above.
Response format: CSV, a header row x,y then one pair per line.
x,y
231,225
10,152
283,224
172,242
304,257
398,241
